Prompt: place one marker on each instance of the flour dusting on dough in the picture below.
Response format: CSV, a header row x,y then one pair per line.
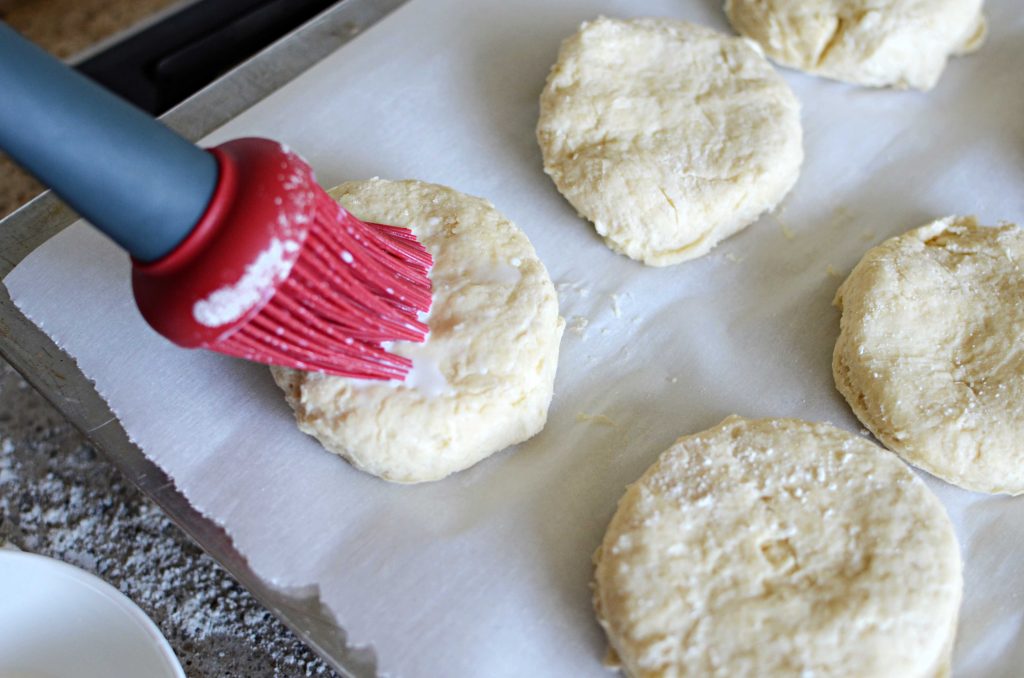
x,y
779,547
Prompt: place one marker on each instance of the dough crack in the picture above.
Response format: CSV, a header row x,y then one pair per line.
x,y
838,30
671,203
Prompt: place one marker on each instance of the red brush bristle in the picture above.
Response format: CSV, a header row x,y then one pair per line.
x,y
354,286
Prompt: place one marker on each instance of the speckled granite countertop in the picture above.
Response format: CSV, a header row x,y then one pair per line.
x,y
59,498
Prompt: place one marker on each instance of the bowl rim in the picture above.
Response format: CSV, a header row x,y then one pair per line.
x,y
52,568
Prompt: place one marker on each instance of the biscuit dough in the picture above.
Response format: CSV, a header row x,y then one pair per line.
x,y
930,353
776,547
667,135
484,378
880,43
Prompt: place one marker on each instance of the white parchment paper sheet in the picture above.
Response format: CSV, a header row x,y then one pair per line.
x,y
486,573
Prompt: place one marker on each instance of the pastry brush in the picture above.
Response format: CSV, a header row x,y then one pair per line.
x,y
235,248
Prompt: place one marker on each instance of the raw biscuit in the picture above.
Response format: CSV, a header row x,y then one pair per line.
x,y
930,353
777,547
668,136
484,378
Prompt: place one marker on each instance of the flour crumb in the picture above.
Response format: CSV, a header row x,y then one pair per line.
x,y
578,325
841,216
600,419
569,287
831,271
616,307
733,258
776,216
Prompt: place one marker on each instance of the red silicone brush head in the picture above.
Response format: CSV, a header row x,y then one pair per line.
x,y
277,272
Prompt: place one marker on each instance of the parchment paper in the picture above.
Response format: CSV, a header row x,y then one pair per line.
x,y
486,573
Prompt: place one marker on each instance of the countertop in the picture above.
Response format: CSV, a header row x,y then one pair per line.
x,y
60,498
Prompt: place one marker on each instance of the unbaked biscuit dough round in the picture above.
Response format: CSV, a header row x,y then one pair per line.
x,y
879,43
930,353
482,381
776,547
667,135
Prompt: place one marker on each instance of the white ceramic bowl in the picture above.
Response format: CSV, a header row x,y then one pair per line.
x,y
58,621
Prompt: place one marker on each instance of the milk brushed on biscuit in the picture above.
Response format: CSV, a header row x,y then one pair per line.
x,y
879,43
668,136
484,378
777,547
930,354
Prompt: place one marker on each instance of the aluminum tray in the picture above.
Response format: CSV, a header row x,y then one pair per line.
x,y
54,374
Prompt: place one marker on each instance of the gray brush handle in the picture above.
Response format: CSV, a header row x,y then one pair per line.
x,y
130,176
